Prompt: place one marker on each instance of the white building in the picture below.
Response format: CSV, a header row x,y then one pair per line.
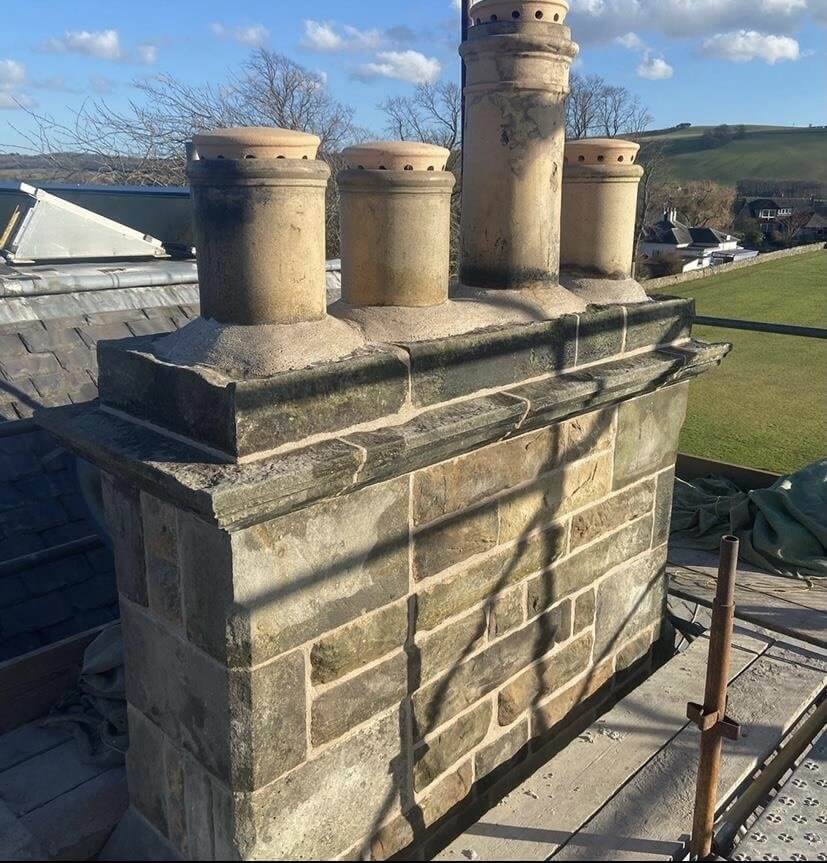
x,y
696,247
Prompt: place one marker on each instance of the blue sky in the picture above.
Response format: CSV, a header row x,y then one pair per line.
x,y
699,61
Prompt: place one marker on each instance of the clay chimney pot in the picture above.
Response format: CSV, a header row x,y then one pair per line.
x,y
396,156
395,224
256,142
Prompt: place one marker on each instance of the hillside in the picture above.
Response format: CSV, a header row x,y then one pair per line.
x,y
765,152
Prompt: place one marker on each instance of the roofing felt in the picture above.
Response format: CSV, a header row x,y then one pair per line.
x,y
49,331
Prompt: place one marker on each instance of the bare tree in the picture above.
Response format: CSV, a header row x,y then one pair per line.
x,y
144,144
619,112
582,105
652,159
702,203
432,113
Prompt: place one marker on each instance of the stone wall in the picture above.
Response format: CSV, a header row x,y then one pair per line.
x,y
653,286
342,675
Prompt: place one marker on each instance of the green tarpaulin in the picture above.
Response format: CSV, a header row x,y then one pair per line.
x,y
782,529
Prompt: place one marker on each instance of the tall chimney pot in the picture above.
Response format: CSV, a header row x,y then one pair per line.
x,y
600,185
518,56
258,198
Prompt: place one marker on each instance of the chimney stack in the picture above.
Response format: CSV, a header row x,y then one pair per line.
x,y
395,224
600,185
518,55
259,209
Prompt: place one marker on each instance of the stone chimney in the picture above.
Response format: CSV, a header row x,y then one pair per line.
x,y
597,230
518,56
362,578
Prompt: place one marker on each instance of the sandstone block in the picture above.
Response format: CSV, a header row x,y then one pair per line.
x,y
647,433
454,539
485,578
553,495
550,674
436,802
502,751
600,335
359,643
458,484
245,726
450,645
348,704
447,368
583,568
460,687
663,507
506,613
584,610
547,716
122,507
268,584
161,556
658,323
438,753
327,804
628,505
587,434
629,600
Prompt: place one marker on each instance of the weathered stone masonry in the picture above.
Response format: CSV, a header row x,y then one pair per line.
x,y
331,646
371,556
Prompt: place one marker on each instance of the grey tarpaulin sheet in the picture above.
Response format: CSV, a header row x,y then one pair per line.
x,y
95,711
782,529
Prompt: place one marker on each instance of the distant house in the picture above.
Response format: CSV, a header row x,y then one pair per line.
x,y
774,215
697,248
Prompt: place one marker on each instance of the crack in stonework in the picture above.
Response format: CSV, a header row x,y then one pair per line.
x,y
363,458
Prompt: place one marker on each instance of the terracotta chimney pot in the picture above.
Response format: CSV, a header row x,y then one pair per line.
x,y
395,224
259,210
600,186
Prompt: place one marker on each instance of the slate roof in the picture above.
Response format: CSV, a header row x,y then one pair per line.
x,y
48,333
47,357
673,233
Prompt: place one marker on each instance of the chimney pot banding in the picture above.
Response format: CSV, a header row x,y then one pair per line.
x,y
258,197
395,211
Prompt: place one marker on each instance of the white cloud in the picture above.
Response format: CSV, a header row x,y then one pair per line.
x,y
12,77
409,66
631,41
103,44
250,34
320,36
12,73
602,20
147,53
742,46
328,36
654,68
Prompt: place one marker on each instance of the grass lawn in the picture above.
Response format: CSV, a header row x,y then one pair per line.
x,y
766,406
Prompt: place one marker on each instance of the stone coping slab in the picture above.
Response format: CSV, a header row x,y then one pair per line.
x,y
235,496
246,417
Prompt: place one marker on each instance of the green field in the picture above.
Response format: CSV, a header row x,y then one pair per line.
x,y
766,406
765,153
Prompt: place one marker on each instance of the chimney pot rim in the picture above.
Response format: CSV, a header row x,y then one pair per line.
x,y
256,142
396,156
528,10
600,151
